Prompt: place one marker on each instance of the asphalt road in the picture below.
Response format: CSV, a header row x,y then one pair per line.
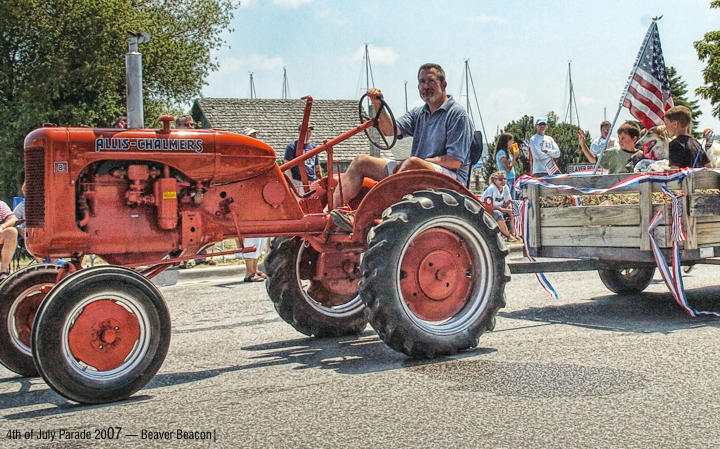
x,y
589,370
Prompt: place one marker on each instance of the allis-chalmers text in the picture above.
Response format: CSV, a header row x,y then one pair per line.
x,y
143,144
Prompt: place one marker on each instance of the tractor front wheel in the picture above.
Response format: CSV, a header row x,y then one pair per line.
x,y
307,304
101,334
434,274
20,297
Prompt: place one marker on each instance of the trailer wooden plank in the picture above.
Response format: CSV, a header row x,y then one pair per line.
x,y
646,207
620,236
621,214
703,205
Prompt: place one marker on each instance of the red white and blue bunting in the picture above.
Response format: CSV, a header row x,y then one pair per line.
x,y
671,276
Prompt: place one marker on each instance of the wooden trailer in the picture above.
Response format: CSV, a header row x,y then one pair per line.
x,y
614,238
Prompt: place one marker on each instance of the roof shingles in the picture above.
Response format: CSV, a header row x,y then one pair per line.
x,y
276,122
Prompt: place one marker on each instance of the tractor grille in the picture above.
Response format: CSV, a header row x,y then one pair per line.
x,y
35,187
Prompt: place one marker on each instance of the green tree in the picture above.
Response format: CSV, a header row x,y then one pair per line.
x,y
678,89
63,62
708,50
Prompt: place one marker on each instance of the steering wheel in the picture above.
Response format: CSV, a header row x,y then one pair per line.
x,y
373,137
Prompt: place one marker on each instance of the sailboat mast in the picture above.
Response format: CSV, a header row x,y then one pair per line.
x,y
252,86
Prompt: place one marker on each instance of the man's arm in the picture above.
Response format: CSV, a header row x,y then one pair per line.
x,y
384,122
9,222
446,161
458,137
554,150
586,151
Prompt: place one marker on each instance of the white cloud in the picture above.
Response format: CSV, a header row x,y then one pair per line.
x,y
585,101
483,18
378,55
290,3
332,16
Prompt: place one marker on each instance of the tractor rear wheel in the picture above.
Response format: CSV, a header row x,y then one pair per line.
x,y
434,274
627,280
101,334
308,305
20,297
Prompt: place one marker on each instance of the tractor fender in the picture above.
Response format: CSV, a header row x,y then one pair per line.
x,y
392,189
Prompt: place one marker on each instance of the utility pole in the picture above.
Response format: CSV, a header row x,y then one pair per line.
x,y
252,86
286,85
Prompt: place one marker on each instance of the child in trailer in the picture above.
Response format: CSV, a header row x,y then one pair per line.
x,y
685,151
505,155
500,194
616,159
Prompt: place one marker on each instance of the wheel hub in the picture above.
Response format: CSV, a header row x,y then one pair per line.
x,y
103,335
435,275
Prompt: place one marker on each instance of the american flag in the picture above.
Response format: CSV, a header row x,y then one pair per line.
x,y
648,91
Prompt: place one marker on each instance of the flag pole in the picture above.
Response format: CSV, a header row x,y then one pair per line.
x,y
643,47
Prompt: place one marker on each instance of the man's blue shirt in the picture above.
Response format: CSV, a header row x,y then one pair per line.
x,y
309,163
445,131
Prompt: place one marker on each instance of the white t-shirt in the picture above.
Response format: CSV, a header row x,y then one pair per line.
x,y
599,143
540,158
499,198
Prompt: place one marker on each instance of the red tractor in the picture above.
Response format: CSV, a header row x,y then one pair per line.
x,y
424,264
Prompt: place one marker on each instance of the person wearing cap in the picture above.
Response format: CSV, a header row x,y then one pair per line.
x,y
543,150
252,273
184,122
312,165
441,132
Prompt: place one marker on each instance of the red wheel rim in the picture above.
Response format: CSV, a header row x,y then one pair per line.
x,y
103,335
434,279
24,314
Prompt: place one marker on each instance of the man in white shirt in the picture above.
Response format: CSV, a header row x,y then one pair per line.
x,y
598,144
543,150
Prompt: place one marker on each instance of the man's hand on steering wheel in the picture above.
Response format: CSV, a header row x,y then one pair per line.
x,y
382,114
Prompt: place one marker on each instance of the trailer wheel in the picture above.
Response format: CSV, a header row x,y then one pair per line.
x,y
309,305
101,334
20,297
434,274
627,280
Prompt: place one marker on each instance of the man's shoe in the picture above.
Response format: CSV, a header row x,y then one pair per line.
x,y
342,220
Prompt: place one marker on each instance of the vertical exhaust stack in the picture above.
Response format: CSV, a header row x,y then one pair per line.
x,y
133,75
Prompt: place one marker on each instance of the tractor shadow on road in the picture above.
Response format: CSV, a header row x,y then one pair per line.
x,y
643,313
361,354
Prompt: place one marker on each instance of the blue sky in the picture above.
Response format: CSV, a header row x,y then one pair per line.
x,y
518,51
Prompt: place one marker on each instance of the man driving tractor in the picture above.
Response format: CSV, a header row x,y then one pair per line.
x,y
441,131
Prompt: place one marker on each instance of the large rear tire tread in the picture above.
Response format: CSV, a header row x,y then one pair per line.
x,y
294,305
19,286
381,292
627,280
62,310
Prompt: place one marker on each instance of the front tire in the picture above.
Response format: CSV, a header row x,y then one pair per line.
x,y
310,306
20,296
627,280
434,274
101,334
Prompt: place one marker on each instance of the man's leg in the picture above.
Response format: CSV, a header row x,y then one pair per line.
x,y
8,238
362,166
